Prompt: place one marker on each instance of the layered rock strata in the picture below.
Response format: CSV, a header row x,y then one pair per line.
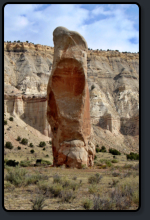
x,y
68,108
31,109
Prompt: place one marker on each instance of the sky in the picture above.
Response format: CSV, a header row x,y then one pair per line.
x,y
104,26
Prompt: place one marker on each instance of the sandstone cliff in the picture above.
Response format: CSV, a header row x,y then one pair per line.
x,y
113,80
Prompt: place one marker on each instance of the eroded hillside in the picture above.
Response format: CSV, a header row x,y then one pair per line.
x,y
113,80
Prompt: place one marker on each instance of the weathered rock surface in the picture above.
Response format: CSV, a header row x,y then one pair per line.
x,y
30,108
114,102
68,108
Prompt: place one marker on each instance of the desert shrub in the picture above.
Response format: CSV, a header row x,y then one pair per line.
x,y
42,144
46,155
95,157
92,87
44,148
18,138
108,163
132,156
114,161
50,142
57,179
67,195
25,163
102,203
97,145
56,190
5,122
69,185
31,145
38,202
114,151
122,196
128,166
11,119
114,182
12,163
33,179
46,162
87,204
16,176
103,149
93,189
97,150
95,178
8,145
32,151
24,141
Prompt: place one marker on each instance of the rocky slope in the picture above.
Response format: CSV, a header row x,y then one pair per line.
x,y
113,80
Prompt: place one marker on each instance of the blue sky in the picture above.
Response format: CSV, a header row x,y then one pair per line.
x,y
104,26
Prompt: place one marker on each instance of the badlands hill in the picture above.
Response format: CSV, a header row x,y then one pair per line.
x,y
113,80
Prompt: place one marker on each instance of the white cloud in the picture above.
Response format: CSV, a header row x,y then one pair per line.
x,y
103,28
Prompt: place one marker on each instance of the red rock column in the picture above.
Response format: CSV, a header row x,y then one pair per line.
x,y
68,107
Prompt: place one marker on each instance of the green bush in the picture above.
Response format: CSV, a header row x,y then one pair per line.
x,y
97,150
44,148
103,149
132,156
50,142
11,119
108,163
95,157
92,87
12,163
95,179
46,162
114,151
5,122
31,145
47,155
8,145
24,141
42,144
31,151
114,161
18,138
19,148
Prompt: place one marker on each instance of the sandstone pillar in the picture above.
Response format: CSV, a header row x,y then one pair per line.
x,y
68,107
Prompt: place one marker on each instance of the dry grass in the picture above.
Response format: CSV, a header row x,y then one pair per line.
x,y
50,188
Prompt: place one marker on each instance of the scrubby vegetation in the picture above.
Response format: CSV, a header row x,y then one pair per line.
x,y
8,145
32,151
24,141
5,122
133,156
31,145
114,151
42,144
112,184
11,119
18,138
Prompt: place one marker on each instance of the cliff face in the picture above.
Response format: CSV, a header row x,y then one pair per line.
x,y
113,81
